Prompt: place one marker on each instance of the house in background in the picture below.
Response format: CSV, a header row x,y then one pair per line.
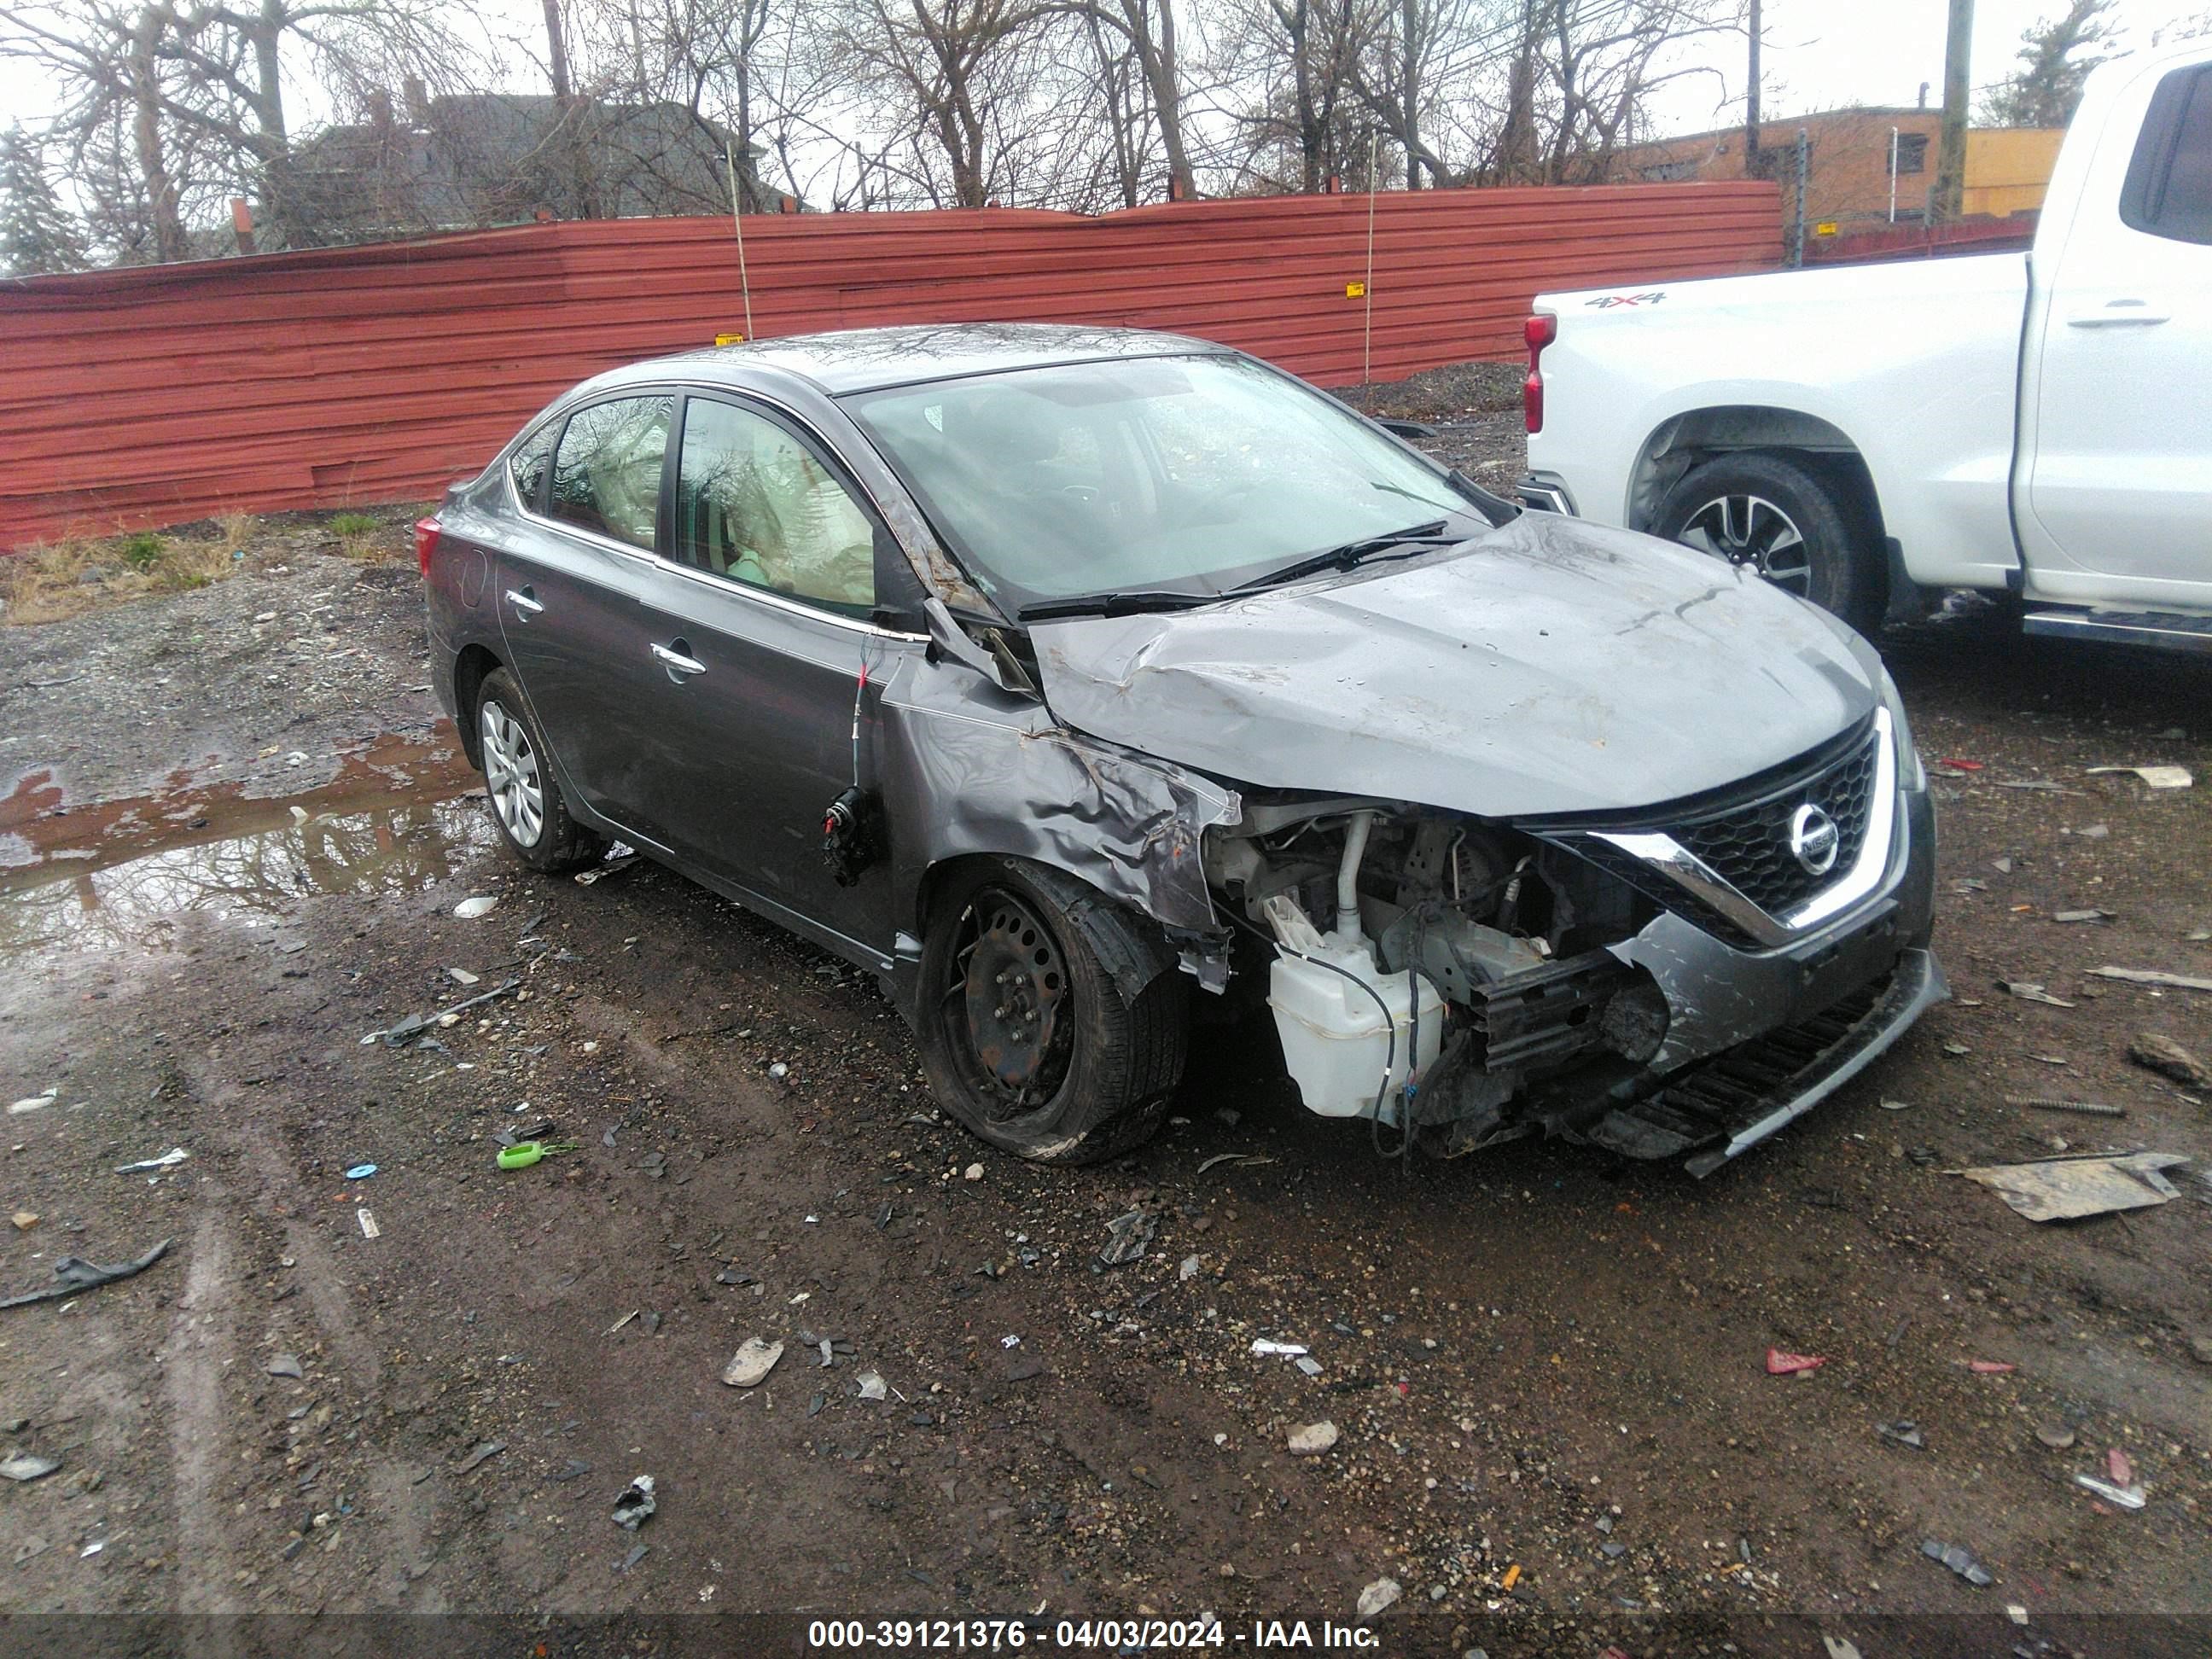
x,y
1863,166
478,159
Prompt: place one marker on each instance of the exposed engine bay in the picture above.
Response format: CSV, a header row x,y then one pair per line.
x,y
1504,935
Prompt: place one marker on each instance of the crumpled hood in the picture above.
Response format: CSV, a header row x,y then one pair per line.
x,y
1554,667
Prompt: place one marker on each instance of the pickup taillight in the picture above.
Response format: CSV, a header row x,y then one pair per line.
x,y
1539,330
426,540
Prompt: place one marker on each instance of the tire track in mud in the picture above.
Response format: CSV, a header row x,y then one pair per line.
x,y
201,1346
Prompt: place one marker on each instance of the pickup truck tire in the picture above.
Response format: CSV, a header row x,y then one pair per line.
x,y
1804,528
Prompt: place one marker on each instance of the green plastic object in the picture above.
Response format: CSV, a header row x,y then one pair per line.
x,y
524,1153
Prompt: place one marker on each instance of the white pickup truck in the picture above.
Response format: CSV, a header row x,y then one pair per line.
x,y
2037,425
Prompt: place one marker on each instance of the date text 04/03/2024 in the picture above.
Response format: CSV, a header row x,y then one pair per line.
x,y
1109,1635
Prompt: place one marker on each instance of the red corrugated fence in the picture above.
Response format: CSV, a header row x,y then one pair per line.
x,y
375,373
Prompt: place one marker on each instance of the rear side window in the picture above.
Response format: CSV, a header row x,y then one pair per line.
x,y
2169,185
606,472
527,465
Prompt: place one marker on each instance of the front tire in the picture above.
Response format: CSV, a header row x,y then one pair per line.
x,y
525,803
1026,1039
1797,525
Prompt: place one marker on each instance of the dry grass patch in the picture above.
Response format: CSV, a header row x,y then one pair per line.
x,y
364,536
69,578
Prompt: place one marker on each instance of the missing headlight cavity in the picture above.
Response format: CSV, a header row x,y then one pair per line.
x,y
1489,949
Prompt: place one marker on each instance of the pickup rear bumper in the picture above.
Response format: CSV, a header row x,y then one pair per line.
x,y
1542,492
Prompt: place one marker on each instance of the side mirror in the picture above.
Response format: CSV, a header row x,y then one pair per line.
x,y
948,638
1416,431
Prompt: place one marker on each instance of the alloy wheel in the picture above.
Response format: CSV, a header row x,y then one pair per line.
x,y
510,773
1750,529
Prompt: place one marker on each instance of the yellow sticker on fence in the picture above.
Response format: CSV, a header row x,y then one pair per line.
x,y
1826,227
1355,290
729,339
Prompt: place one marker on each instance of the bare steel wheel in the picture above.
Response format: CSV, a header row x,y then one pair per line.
x,y
519,788
1012,1035
1026,1037
1750,529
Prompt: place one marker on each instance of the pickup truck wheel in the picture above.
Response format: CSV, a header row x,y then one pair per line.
x,y
1025,1036
1797,528
524,802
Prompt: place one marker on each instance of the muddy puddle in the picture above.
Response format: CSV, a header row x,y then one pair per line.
x,y
120,874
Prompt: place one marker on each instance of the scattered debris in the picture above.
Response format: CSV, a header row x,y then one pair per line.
x,y
619,1323
469,909
1905,1432
1952,1556
2057,1436
1839,1648
1233,1157
361,1172
601,871
2028,991
524,1153
973,1172
872,1386
406,1030
485,1451
2158,777
24,1467
33,1103
169,1160
285,1365
2128,1497
638,1553
368,1227
1313,1439
1126,1234
2123,1471
2083,915
2154,977
1188,1271
2167,1058
1262,1346
2065,1189
2080,1107
24,1220
635,1506
1991,1367
752,1361
1010,1341
1308,1364
75,1274
1378,1596
1779,1363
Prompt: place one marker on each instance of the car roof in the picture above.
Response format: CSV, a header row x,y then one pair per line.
x,y
869,359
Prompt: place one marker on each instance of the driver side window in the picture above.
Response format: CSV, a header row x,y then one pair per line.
x,y
756,505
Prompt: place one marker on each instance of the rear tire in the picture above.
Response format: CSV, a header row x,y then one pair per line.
x,y
1794,523
524,802
1026,1037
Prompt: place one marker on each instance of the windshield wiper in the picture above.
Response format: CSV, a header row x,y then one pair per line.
x,y
1351,553
1127,604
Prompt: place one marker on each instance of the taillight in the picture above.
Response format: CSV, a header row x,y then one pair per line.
x,y
1539,331
425,539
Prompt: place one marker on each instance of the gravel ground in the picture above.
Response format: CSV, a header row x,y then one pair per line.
x,y
1546,1367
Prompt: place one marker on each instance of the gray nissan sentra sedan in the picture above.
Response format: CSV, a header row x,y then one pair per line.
x,y
1065,677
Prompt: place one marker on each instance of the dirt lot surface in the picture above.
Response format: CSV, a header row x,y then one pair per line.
x,y
424,1389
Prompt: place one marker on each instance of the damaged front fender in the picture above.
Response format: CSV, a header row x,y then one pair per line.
x,y
967,767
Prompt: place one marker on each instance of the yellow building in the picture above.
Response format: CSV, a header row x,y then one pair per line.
x,y
2007,168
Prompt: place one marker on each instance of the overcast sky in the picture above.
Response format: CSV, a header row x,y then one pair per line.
x,y
1824,53
1819,54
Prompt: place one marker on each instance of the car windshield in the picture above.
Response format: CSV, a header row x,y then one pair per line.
x,y
1187,474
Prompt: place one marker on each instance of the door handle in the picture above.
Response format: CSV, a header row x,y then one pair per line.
x,y
676,657
2118,313
523,601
